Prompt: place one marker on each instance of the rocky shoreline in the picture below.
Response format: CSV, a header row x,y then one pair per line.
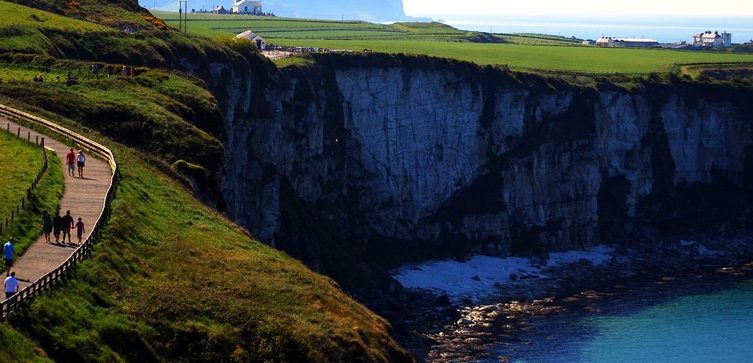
x,y
435,327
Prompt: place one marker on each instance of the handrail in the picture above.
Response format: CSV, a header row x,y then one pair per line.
x,y
84,249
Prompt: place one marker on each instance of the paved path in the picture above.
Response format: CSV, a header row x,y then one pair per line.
x,y
85,199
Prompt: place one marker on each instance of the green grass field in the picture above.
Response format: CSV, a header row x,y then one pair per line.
x,y
541,57
520,51
289,28
17,171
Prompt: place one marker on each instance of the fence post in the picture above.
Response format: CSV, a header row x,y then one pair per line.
x,y
18,133
42,142
37,140
28,136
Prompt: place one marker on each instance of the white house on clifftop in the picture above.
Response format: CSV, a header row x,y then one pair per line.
x,y
247,7
712,39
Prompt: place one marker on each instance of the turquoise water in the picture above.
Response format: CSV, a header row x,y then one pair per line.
x,y
715,327
707,321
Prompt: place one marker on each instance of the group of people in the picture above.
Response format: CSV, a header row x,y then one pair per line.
x,y
50,225
57,224
128,71
73,161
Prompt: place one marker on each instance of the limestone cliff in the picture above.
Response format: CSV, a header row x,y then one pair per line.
x,y
400,158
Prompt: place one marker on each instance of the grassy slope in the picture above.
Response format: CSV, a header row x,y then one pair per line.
x,y
17,172
155,111
173,279
18,15
22,29
523,52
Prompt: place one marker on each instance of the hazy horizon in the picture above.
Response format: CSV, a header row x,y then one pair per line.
x,y
536,8
663,29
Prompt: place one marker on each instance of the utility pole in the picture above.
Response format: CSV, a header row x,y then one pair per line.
x,y
183,15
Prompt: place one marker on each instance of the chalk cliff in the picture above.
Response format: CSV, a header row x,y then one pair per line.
x,y
399,158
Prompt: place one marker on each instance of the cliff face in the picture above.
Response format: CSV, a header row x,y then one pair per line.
x,y
414,158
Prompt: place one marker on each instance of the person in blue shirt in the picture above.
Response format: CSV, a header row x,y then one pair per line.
x,y
11,285
8,252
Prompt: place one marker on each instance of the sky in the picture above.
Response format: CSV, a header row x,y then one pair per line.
x,y
480,9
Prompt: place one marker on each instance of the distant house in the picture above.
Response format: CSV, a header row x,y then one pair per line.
x,y
254,38
247,7
714,40
626,42
219,10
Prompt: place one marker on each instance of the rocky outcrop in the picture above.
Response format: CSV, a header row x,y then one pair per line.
x,y
400,158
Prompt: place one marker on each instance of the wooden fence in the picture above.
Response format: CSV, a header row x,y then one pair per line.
x,y
22,203
82,251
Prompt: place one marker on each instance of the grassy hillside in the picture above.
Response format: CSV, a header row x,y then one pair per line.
x,y
173,279
17,171
519,51
155,111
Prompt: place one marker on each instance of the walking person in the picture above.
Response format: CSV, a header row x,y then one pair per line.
x,y
57,225
70,161
67,222
46,225
79,230
8,252
11,285
80,161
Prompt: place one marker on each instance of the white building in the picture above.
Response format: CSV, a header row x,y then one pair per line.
x,y
247,7
626,42
254,38
714,40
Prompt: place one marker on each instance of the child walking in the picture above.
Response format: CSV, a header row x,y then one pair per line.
x,y
79,229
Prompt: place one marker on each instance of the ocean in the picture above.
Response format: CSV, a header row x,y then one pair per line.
x,y
692,318
663,30
681,323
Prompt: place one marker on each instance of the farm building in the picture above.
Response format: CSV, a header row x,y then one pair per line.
x,y
219,10
247,7
712,39
626,42
255,38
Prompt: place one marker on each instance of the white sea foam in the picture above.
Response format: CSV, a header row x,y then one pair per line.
x,y
477,277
